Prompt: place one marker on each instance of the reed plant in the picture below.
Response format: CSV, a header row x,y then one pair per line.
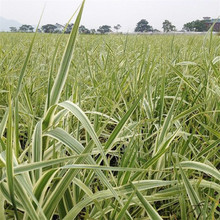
x,y
109,127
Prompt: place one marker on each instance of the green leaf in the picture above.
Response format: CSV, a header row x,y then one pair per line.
x,y
23,185
65,63
201,167
73,144
25,201
3,123
2,210
75,110
43,185
123,210
211,130
123,190
37,148
193,197
181,76
152,213
120,125
9,159
208,148
53,63
188,111
26,61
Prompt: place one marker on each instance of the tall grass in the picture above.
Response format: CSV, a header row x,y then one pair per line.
x,y
127,129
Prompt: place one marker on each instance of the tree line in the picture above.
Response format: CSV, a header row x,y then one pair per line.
x,y
142,26
58,28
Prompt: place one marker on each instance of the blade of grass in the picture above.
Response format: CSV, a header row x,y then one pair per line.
x,y
75,110
53,62
201,167
121,124
152,213
9,158
56,195
37,148
104,194
25,201
26,60
193,197
123,210
3,123
65,63
2,209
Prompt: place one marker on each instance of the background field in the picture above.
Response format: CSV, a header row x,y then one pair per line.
x,y
153,102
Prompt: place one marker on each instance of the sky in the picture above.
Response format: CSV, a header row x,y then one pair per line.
x,y
111,12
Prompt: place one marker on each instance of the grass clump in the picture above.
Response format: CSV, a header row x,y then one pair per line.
x,y
128,127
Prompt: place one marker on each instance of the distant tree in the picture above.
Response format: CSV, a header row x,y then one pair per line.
x,y
167,26
57,31
143,26
59,28
26,28
83,30
189,26
49,28
197,26
104,29
117,27
200,26
69,28
156,30
92,31
13,29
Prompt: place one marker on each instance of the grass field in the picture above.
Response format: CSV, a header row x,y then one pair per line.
x,y
127,128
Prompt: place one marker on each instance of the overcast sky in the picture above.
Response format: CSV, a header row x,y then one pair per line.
x,y
111,12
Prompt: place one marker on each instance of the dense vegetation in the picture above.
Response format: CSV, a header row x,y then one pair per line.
x,y
131,133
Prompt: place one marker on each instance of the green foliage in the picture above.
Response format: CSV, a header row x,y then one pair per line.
x,y
24,28
143,26
83,30
109,127
197,26
117,27
69,28
104,29
49,28
167,26
13,29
